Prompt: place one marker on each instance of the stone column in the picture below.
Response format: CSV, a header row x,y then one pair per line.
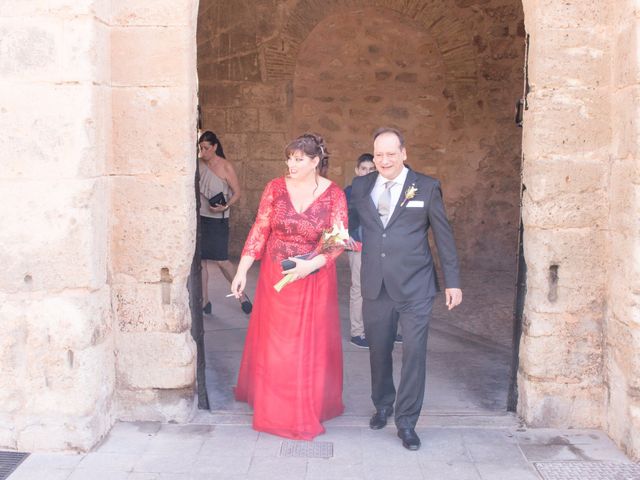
x,y
566,144
622,333
153,216
56,347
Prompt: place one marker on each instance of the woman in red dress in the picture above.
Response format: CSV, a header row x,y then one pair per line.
x,y
291,369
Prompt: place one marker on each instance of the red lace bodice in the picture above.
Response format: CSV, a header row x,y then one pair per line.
x,y
284,233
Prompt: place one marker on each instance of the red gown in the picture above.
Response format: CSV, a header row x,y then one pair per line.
x,y
291,369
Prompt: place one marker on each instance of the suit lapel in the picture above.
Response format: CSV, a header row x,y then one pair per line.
x,y
411,178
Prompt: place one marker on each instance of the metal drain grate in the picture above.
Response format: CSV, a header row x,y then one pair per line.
x,y
9,461
588,471
299,448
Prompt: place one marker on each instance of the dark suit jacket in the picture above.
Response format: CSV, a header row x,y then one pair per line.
x,y
399,253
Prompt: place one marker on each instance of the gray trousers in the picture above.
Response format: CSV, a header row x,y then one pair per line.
x,y
381,318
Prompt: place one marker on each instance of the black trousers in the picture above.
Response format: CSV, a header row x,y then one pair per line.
x,y
381,317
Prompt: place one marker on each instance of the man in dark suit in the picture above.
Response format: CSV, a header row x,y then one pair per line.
x,y
395,207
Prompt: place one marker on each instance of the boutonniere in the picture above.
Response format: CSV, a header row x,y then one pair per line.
x,y
409,193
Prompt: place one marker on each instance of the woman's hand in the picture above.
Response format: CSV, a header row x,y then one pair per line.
x,y
238,283
305,267
217,208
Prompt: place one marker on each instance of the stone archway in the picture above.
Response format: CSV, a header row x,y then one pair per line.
x,y
104,94
444,74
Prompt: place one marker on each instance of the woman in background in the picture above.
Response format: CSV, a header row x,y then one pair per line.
x,y
217,178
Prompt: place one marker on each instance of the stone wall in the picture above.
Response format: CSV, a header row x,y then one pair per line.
x,y
567,138
57,379
446,73
622,325
98,217
152,220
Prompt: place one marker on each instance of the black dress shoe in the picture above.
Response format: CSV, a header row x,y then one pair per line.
x,y
246,306
379,419
410,439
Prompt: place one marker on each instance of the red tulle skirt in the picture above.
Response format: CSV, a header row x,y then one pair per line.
x,y
291,370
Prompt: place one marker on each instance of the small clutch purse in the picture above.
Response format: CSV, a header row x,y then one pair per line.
x,y
218,199
289,264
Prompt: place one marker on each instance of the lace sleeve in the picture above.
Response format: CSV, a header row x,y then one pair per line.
x,y
261,229
339,214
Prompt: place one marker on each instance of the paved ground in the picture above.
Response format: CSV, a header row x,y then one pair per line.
x,y
151,451
465,429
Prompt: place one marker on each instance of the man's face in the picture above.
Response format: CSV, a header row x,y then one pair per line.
x,y
388,156
365,168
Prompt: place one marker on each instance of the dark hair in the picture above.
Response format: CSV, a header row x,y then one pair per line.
x,y
311,145
211,137
395,131
365,157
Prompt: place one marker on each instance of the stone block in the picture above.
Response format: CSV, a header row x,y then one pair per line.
x,y
260,173
565,192
54,235
151,307
154,131
30,49
154,226
265,95
53,132
242,120
154,12
139,56
57,8
561,57
578,283
154,360
62,433
570,359
58,346
273,119
85,57
219,95
559,405
625,128
626,53
569,122
567,15
237,147
174,405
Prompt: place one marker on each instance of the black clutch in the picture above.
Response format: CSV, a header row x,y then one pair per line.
x,y
218,199
287,264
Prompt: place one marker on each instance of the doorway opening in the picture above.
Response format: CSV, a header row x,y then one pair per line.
x,y
446,76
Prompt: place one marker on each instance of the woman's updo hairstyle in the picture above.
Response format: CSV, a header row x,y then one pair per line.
x,y
212,138
311,145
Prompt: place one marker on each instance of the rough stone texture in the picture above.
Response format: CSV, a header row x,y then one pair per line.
x,y
622,319
98,156
578,355
153,207
98,153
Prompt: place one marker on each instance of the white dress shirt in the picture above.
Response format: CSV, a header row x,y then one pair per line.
x,y
396,189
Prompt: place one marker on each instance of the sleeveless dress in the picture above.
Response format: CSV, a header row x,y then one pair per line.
x,y
214,239
291,369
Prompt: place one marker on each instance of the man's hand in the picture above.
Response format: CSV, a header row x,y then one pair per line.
x,y
453,297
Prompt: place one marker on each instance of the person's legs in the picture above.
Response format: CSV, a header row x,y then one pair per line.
x,y
205,285
380,322
355,295
414,318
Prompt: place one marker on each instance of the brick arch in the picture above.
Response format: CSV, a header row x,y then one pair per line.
x,y
449,28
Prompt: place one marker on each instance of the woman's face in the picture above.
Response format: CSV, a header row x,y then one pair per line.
x,y
301,165
207,151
